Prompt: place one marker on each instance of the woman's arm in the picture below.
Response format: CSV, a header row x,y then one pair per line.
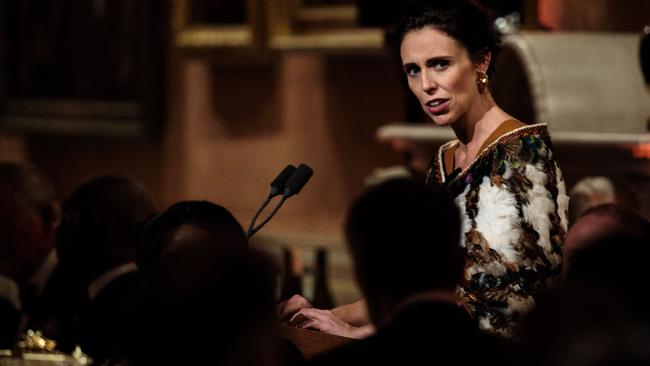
x,y
349,320
355,314
288,308
327,322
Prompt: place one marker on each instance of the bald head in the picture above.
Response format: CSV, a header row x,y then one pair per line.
x,y
604,223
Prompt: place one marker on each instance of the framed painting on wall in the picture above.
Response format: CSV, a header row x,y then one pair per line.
x,y
319,25
83,67
217,23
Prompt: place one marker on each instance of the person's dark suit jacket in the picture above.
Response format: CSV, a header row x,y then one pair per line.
x,y
107,322
9,319
57,310
424,333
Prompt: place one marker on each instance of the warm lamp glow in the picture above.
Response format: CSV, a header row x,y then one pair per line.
x,y
641,151
550,14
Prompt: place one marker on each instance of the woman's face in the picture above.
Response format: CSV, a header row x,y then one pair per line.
x,y
440,73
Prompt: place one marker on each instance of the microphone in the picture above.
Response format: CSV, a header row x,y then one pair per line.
x,y
289,182
298,180
277,187
278,184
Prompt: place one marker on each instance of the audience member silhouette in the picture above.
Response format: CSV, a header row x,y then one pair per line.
x,y
604,223
29,215
585,326
186,241
96,244
210,305
610,247
589,192
404,237
600,316
186,224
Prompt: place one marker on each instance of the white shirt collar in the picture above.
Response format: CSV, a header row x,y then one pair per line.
x,y
42,275
98,284
9,291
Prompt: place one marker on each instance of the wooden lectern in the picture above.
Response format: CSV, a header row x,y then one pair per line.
x,y
311,343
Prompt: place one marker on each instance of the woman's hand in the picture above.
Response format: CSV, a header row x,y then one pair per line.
x,y
327,322
288,308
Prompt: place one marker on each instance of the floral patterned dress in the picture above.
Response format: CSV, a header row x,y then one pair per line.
x,y
513,208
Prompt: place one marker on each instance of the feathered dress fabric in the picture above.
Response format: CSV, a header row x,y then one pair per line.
x,y
513,206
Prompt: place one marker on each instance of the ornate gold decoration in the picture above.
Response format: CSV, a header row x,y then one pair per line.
x,y
34,347
34,341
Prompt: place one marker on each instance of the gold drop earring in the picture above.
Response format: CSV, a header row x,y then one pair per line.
x,y
481,81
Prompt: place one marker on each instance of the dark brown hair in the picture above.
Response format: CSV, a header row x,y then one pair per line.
x,y
461,20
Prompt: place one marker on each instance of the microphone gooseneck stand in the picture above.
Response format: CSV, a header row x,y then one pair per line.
x,y
290,181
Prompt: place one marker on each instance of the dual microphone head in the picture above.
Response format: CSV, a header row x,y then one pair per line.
x,y
290,180
288,183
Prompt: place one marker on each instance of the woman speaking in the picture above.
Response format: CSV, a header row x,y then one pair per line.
x,y
502,172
